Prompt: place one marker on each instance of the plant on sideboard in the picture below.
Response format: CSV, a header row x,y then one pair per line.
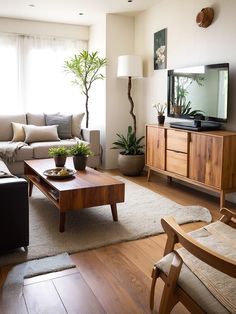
x,y
131,157
160,109
86,69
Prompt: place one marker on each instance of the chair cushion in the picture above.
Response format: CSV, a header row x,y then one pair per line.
x,y
64,123
194,287
35,133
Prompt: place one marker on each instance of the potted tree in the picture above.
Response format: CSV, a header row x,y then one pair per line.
x,y
131,158
59,154
80,153
85,67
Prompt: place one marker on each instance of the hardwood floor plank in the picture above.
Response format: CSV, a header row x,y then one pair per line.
x,y
76,295
42,297
143,253
112,296
127,275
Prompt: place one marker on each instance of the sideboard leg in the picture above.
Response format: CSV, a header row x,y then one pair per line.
x,y
222,198
149,174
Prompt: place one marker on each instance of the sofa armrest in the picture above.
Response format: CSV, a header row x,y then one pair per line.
x,y
93,138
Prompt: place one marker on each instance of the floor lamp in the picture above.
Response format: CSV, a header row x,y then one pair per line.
x,y
130,66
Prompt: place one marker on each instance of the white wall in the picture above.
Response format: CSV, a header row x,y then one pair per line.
x,y
119,41
187,44
26,27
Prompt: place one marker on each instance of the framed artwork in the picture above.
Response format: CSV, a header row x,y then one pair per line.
x,y
160,49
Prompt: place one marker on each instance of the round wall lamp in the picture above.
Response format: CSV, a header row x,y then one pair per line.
x,y
205,17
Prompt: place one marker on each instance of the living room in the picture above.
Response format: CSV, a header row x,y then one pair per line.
x,y
118,278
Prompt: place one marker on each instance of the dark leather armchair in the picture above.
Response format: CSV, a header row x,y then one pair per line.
x,y
14,213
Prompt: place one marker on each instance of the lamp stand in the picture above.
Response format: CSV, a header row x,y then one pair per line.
x,y
131,103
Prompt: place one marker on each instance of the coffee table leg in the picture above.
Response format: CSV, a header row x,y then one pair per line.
x,y
114,212
30,188
62,221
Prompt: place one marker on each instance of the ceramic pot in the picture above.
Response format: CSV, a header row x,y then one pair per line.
x,y
161,119
131,165
80,162
60,161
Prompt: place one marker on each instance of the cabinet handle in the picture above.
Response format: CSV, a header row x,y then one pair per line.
x,y
157,143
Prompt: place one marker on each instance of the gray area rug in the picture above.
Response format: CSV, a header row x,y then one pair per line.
x,y
139,217
12,290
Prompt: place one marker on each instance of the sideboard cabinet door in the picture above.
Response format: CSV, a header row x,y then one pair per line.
x,y
155,147
205,159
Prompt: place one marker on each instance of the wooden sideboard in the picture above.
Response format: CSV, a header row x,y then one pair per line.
x,y
205,159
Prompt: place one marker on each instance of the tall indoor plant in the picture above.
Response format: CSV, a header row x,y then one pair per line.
x,y
86,69
131,157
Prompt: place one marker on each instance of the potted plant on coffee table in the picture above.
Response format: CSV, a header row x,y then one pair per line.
x,y
131,158
80,153
59,154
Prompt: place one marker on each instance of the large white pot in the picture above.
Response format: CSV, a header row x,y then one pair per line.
x,y
131,165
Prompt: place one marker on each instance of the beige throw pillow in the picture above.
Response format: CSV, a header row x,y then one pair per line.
x,y
76,124
18,132
35,133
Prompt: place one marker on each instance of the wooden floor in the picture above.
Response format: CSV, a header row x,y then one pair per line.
x,y
113,279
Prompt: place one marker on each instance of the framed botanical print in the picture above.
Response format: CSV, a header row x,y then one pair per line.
x,y
160,49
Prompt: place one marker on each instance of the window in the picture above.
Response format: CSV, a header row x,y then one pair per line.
x,y
32,76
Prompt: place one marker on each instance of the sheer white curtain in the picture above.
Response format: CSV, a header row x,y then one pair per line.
x,y
33,75
9,72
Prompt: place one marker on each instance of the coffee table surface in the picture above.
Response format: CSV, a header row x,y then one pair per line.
x,y
86,188
82,179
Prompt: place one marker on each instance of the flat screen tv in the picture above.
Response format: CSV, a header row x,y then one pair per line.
x,y
199,93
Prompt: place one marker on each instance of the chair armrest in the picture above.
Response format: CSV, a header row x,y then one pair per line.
x,y
93,138
212,258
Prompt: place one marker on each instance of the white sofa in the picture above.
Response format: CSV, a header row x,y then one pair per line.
x,y
39,148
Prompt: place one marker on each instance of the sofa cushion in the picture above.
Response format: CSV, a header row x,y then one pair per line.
x,y
18,132
24,153
35,133
35,119
64,123
41,149
76,124
6,132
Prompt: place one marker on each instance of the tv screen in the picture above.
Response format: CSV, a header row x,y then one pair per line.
x,y
199,92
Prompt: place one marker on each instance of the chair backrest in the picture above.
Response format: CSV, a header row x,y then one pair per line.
x,y
212,258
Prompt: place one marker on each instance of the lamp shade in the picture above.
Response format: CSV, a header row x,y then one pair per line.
x,y
130,65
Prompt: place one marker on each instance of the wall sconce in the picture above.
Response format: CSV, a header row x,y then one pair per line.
x,y
205,17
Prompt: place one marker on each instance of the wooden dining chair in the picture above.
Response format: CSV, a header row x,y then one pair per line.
x,y
183,283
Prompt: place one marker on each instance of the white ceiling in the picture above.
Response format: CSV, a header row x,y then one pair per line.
x,y
67,11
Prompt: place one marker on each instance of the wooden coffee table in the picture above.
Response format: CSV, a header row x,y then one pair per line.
x,y
87,188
